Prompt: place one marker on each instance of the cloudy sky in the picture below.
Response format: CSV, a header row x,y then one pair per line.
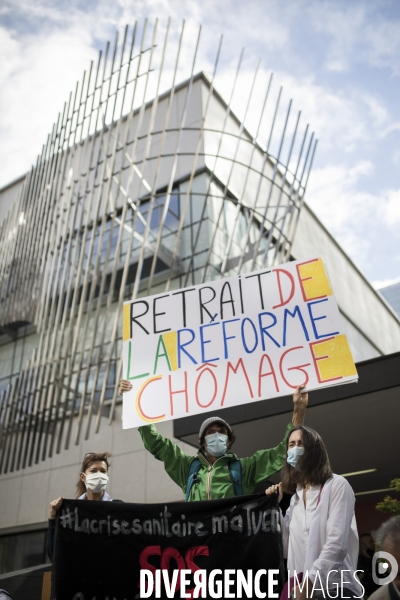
x,y
338,59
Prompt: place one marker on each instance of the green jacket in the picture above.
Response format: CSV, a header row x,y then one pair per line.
x,y
214,480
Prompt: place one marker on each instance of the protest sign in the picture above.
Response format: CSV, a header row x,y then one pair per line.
x,y
233,341
101,548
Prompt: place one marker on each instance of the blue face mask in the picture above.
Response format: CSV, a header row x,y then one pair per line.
x,y
216,444
294,454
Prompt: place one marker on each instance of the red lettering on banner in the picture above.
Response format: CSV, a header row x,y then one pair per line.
x,y
172,554
271,372
143,559
184,391
169,554
189,559
229,367
206,369
278,277
296,368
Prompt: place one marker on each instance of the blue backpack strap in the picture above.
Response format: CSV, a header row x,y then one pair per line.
x,y
192,476
235,471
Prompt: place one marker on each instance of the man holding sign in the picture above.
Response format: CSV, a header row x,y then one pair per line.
x,y
232,341
225,343
216,472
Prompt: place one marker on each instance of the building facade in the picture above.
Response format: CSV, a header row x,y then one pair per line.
x,y
132,197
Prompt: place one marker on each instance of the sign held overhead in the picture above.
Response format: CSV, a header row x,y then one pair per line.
x,y
236,340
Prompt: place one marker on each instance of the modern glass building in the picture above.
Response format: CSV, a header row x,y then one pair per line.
x,y
139,189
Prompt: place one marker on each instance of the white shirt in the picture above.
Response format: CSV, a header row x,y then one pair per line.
x,y
322,537
300,525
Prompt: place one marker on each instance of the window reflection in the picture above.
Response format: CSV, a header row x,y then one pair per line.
x,y
22,550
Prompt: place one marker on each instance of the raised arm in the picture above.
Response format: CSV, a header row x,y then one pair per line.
x,y
300,402
265,463
176,462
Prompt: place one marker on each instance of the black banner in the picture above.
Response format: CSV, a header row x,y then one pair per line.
x,y
222,549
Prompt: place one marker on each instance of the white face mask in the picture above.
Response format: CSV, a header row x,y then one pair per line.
x,y
96,482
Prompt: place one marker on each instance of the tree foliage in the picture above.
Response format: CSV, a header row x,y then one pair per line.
x,y
391,505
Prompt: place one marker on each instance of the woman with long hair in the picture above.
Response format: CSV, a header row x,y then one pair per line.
x,y
320,538
92,484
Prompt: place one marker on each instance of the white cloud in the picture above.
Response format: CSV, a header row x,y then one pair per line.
x,y
364,224
391,128
357,32
396,157
377,111
384,44
9,53
343,119
336,65
391,208
333,193
339,24
41,73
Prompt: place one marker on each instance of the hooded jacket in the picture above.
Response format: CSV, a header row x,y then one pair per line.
x,y
213,481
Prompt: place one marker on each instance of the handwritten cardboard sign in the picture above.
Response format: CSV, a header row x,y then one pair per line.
x,y
237,340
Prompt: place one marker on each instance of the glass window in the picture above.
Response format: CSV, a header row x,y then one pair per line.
x,y
22,550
